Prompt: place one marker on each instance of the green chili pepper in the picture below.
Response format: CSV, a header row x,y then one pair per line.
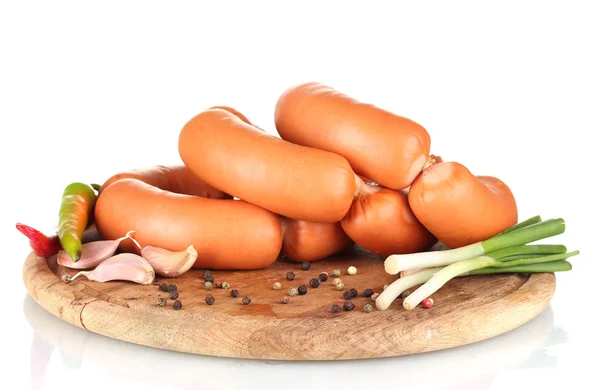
x,y
75,215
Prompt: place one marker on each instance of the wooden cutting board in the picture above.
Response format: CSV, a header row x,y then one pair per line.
x,y
465,310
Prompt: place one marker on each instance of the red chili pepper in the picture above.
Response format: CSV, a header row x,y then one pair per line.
x,y
42,245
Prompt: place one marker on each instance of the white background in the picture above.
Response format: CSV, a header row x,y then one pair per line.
x,y
511,90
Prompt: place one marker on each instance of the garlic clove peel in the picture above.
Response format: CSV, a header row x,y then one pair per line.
x,y
92,253
169,263
124,266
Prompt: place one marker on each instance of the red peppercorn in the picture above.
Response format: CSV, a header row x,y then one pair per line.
x,y
427,303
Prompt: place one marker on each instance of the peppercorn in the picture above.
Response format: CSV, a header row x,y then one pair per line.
x,y
209,299
290,275
163,287
427,303
336,272
219,284
305,266
207,273
208,286
336,308
174,295
354,292
374,296
177,305
226,285
314,282
405,294
348,306
276,285
209,278
368,292
302,290
323,276
352,270
336,281
293,291
368,308
172,287
246,300
284,299
234,293
340,286
348,294
161,302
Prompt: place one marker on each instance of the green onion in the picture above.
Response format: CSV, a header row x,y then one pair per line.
x,y
385,299
461,267
519,250
525,223
527,232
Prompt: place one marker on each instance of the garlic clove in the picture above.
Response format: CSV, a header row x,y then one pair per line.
x,y
169,263
92,253
124,266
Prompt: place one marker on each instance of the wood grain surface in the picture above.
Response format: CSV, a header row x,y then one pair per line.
x,y
466,310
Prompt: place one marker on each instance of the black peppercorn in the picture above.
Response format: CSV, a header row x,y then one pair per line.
x,y
348,306
368,292
323,276
290,276
302,290
336,308
354,292
209,278
219,284
209,299
163,287
234,293
314,282
246,300
207,273
172,287
174,295
305,266
348,294
177,305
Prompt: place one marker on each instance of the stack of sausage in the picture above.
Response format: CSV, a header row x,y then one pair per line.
x,y
341,172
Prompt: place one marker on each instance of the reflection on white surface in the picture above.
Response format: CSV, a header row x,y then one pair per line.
x,y
472,366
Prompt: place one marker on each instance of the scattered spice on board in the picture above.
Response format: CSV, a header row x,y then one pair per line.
x,y
348,306
234,293
219,284
336,272
284,299
314,283
427,303
368,308
368,292
173,295
172,287
305,266
354,292
302,290
323,276
161,302
336,281
209,299
352,270
276,286
226,285
348,294
209,278
340,286
290,275
208,285
163,287
374,296
293,291
336,308
177,305
246,300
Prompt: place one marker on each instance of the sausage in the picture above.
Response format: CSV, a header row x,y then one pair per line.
x,y
385,147
309,241
460,208
291,180
173,178
227,233
381,221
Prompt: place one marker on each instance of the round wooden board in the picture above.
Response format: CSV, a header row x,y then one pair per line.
x,y
466,310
